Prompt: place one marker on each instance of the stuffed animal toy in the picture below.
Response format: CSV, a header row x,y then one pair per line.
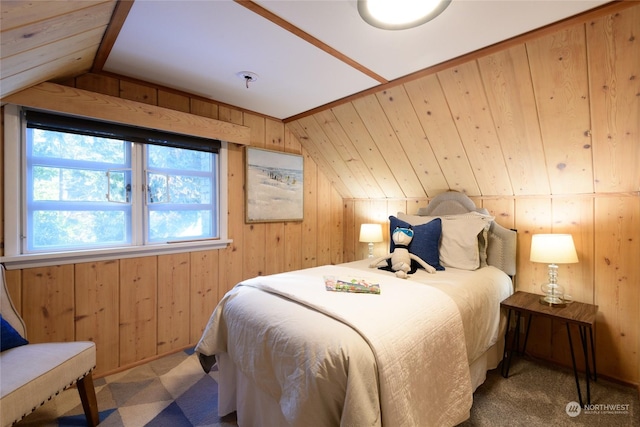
x,y
401,257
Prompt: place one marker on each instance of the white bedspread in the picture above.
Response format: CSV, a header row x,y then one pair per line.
x,y
415,331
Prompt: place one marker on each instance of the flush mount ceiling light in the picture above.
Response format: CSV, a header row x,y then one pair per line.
x,y
400,14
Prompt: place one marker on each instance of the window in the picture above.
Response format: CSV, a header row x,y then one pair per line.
x,y
95,188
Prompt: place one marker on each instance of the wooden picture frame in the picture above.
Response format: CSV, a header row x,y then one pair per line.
x,y
274,186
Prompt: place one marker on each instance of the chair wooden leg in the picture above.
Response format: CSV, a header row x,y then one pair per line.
x,y
89,402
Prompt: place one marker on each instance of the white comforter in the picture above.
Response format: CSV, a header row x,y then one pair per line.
x,y
414,370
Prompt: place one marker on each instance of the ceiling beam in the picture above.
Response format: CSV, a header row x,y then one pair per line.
x,y
63,99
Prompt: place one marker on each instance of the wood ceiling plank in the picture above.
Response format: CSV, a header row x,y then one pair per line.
x,y
404,121
510,95
353,126
63,67
19,13
348,153
559,73
393,153
465,94
41,55
45,32
339,167
433,113
311,146
614,73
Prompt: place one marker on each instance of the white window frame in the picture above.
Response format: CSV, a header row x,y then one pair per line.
x,y
14,162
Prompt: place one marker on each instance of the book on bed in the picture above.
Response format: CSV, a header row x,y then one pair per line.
x,y
357,285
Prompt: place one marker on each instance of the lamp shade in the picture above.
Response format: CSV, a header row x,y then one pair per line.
x,y
553,249
371,233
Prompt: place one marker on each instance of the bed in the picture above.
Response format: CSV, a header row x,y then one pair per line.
x,y
291,353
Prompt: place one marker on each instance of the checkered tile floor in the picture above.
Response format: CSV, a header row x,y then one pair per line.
x,y
171,391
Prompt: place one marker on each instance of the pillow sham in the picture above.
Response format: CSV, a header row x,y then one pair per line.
x,y
425,242
464,238
9,337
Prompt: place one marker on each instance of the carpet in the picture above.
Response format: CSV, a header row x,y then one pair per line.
x,y
173,391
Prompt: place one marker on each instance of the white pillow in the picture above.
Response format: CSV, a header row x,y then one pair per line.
x,y
459,246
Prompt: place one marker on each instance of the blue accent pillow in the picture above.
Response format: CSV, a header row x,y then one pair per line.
x,y
9,337
425,243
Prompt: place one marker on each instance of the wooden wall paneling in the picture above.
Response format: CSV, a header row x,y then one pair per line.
x,y
324,227
613,52
403,119
292,230
230,268
575,216
274,232
465,94
389,146
205,290
349,154
336,230
354,127
513,107
350,230
138,309
362,215
203,108
254,236
338,170
559,75
174,300
617,286
533,216
314,151
174,101
413,204
310,223
98,83
48,303
14,287
435,116
97,308
138,92
503,209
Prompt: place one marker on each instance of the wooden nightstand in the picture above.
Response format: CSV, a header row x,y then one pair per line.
x,y
581,314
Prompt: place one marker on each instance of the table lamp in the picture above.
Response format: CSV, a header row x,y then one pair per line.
x,y
553,249
371,233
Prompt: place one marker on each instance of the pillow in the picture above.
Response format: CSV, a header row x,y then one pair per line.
x,y
9,337
464,238
425,242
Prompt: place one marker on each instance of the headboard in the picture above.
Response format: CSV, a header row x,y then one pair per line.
x,y
502,242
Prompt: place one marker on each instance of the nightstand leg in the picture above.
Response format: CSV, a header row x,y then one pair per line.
x,y
515,344
575,369
593,354
585,351
526,336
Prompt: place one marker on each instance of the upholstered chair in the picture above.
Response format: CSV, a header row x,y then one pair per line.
x,y
31,374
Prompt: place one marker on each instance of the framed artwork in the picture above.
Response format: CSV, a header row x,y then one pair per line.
x,y
274,186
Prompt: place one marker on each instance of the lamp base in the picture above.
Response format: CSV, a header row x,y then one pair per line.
x,y
552,301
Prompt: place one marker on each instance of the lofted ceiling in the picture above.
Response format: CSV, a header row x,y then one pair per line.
x,y
385,114
305,53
